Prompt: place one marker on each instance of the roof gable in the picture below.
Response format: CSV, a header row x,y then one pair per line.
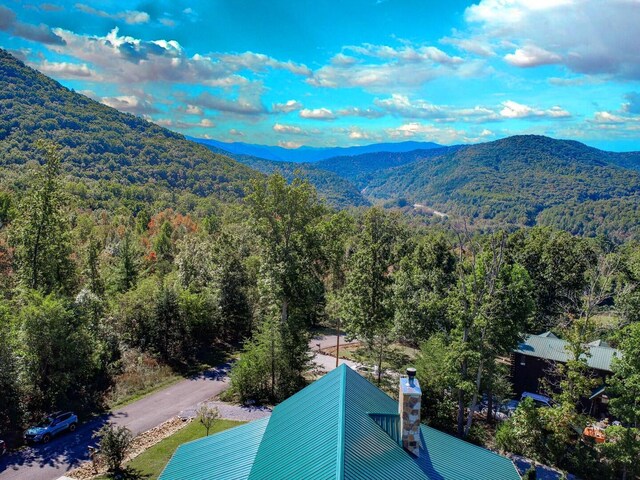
x,y
301,439
339,427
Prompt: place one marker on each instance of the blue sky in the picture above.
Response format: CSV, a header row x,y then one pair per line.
x,y
349,72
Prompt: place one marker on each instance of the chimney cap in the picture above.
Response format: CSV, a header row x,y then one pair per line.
x,y
411,372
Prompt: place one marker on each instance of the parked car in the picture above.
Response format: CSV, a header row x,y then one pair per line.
x,y
3,447
538,399
51,425
509,407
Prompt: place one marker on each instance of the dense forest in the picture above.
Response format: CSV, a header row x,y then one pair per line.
x,y
127,251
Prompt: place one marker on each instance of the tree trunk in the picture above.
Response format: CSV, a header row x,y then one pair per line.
x,y
380,354
285,311
273,368
460,412
474,400
490,407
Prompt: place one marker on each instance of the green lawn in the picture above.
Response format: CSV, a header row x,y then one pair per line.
x,y
149,465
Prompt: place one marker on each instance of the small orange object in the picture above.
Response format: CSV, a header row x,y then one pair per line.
x,y
596,433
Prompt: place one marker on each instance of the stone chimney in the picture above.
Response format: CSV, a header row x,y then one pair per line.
x,y
409,410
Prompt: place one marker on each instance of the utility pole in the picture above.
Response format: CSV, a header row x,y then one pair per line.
x,y
338,344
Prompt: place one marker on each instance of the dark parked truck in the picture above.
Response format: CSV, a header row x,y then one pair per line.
x,y
51,425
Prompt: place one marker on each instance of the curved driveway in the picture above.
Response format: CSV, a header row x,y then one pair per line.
x,y
67,451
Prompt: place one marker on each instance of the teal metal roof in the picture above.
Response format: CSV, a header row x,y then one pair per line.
x,y
550,347
448,457
226,455
339,427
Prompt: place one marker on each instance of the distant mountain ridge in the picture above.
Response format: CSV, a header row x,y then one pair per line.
x,y
311,154
524,180
335,190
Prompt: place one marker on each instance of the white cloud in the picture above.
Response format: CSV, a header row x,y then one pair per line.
x,y
428,132
289,145
317,114
380,67
360,112
193,110
132,17
532,56
182,125
129,103
286,107
280,128
356,133
249,105
258,62
126,60
586,36
37,33
402,106
513,109
605,117
475,46
65,70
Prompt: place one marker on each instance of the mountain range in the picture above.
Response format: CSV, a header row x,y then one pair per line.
x,y
118,159
310,154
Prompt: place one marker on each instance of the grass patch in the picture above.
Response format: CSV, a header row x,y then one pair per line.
x,y
121,401
149,464
143,374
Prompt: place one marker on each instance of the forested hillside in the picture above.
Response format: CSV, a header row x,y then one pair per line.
x,y
523,180
109,150
337,191
360,169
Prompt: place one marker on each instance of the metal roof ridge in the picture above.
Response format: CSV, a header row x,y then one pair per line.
x,y
341,423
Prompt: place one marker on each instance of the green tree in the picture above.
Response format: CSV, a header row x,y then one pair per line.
x,y
92,271
367,297
207,416
263,373
622,448
6,201
284,219
57,350
556,262
41,232
421,287
126,272
489,308
10,405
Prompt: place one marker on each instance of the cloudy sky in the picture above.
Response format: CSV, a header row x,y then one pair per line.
x,y
348,72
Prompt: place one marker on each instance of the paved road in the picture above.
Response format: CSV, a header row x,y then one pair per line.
x,y
68,450
326,341
327,362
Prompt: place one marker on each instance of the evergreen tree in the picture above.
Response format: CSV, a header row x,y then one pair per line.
x,y
41,232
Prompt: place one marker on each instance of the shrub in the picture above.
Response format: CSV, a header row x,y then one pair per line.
x,y
115,442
